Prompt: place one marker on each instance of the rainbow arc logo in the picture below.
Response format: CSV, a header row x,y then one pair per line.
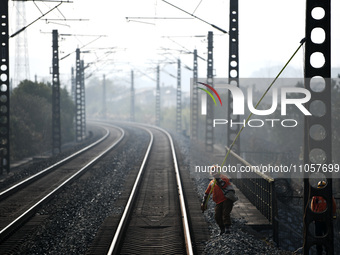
x,y
204,99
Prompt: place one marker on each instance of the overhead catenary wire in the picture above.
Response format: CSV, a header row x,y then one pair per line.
x,y
214,26
24,28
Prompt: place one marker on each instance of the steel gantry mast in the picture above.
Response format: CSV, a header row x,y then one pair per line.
x,y
233,73
4,89
318,150
56,130
209,130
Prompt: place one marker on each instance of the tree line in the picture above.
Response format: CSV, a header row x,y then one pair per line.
x,y
31,119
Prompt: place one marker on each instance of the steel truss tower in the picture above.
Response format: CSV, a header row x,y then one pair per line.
x,y
318,150
209,131
158,100
56,130
4,89
179,99
132,98
21,68
233,73
194,102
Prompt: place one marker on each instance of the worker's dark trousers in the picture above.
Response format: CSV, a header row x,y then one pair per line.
x,y
222,213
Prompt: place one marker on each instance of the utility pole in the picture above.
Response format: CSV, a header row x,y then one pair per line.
x,y
56,130
158,100
5,89
209,130
179,99
132,98
318,150
233,73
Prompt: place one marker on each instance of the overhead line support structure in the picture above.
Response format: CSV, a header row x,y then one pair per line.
x,y
194,102
78,96
56,129
318,150
233,73
4,89
132,98
179,99
158,99
209,131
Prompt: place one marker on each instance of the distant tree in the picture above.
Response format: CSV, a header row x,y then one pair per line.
x,y
31,118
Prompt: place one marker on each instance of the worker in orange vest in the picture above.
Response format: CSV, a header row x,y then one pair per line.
x,y
319,205
223,205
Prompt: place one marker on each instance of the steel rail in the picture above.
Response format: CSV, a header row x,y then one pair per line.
x,y
31,211
45,171
128,207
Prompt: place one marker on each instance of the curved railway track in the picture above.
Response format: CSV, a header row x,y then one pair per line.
x,y
22,200
155,219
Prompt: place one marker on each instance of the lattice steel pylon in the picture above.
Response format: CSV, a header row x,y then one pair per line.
x,y
318,150
4,89
194,101
209,130
21,63
56,127
179,99
233,73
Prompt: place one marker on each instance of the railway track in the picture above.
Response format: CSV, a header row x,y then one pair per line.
x,y
20,202
155,219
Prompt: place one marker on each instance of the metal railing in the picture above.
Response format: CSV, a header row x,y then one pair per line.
x,y
258,188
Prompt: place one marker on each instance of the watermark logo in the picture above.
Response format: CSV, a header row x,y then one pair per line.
x,y
204,97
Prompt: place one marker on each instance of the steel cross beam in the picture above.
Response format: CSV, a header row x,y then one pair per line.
x,y
56,130
209,131
318,149
4,89
233,72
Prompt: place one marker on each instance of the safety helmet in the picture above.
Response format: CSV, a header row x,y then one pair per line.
x,y
321,184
